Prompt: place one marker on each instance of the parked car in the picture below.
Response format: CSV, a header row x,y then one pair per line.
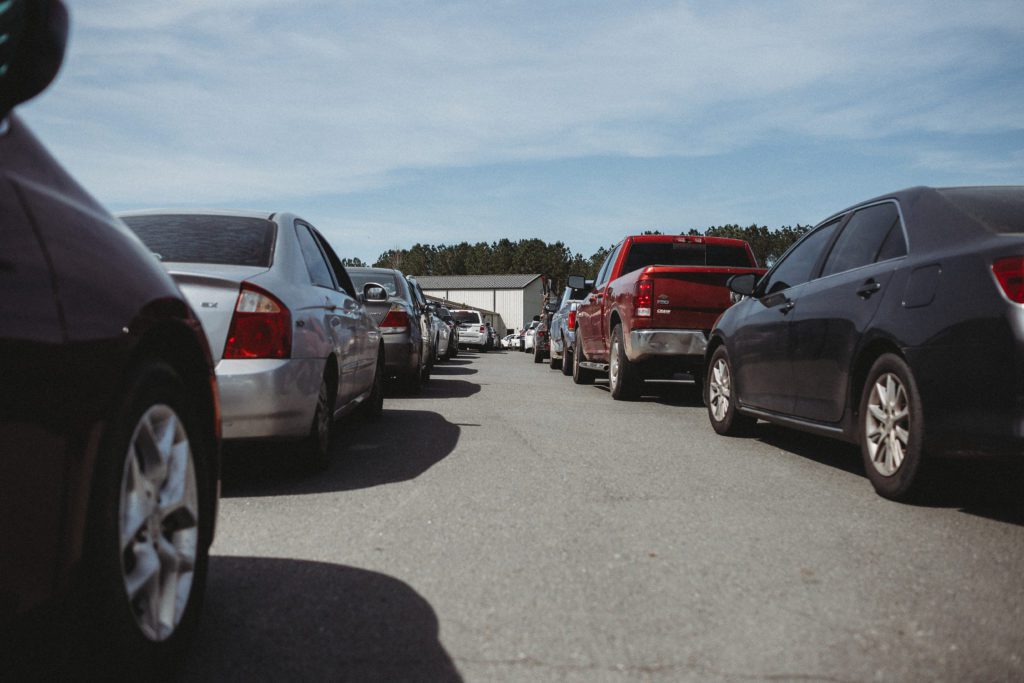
x,y
896,324
472,330
508,340
453,332
442,335
294,346
654,301
563,324
406,341
529,335
109,437
429,322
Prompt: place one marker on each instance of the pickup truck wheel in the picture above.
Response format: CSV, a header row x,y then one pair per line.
x,y
720,397
580,375
623,379
567,356
554,362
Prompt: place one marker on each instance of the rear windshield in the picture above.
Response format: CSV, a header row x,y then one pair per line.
x,y
466,317
231,240
388,282
1000,209
642,254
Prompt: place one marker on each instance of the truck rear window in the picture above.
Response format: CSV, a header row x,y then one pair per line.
x,y
999,209
643,254
196,238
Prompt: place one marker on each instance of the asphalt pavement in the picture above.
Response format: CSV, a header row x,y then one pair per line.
x,y
507,524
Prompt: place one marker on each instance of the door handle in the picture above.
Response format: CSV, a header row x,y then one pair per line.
x,y
787,307
868,288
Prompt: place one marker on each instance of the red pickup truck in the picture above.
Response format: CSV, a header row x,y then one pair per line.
x,y
654,302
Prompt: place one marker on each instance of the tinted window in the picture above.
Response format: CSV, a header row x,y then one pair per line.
x,y
385,280
798,265
861,240
231,240
466,317
603,274
340,274
1000,209
319,271
643,254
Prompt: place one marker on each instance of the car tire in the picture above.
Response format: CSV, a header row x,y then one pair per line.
x,y
412,383
555,362
580,375
151,515
892,429
374,405
317,444
538,354
624,381
454,349
720,397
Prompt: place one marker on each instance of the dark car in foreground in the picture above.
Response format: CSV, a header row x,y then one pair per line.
x,y
109,431
897,324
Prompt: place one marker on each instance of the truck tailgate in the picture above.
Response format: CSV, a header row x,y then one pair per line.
x,y
690,298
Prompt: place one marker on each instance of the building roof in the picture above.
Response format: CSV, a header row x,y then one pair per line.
x,y
435,282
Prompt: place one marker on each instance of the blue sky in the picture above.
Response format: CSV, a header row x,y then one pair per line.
x,y
387,123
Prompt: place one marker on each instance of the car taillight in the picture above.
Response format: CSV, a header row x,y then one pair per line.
x,y
571,324
1010,274
540,333
482,329
644,289
395,322
261,326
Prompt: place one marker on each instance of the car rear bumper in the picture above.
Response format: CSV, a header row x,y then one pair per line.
x,y
264,398
472,338
400,357
643,344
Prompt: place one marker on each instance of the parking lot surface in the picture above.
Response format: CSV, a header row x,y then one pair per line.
x,y
508,525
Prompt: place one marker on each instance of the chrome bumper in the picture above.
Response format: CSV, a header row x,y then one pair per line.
x,y
641,344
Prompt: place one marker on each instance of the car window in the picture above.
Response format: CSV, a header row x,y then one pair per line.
x,y
340,274
316,264
688,253
861,241
798,265
386,280
463,317
196,238
602,275
999,209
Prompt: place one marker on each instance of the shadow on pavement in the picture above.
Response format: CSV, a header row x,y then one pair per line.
x,y
278,619
993,489
400,446
439,387
446,369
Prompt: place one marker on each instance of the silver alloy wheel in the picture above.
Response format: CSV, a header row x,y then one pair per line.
x,y
158,522
887,424
719,389
613,365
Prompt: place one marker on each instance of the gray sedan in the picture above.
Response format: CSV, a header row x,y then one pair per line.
x,y
293,344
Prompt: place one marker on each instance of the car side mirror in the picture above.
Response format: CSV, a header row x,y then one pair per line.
x,y
550,308
577,282
742,284
35,33
374,292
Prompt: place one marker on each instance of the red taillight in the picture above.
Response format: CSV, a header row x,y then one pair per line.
x,y
1010,274
644,289
482,329
571,324
395,322
261,326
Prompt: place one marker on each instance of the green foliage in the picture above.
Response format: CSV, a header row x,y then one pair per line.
x,y
767,245
354,262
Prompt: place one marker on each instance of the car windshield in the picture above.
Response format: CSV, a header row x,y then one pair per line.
x,y
643,254
197,238
1000,209
386,280
466,317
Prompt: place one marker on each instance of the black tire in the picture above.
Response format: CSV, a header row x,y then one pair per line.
x,y
317,445
483,348
720,397
538,353
567,356
155,400
624,379
554,363
890,405
412,382
374,405
580,375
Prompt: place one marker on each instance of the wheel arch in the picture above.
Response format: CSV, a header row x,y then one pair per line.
x,y
871,352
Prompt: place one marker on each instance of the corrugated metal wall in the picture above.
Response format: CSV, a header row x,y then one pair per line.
x,y
509,302
515,306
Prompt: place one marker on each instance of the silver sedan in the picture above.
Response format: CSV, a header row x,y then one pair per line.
x,y
293,345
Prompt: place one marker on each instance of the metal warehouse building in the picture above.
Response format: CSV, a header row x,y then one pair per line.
x,y
517,298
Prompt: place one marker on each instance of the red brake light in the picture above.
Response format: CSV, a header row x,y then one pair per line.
x,y
571,322
644,289
261,326
1010,274
482,329
395,322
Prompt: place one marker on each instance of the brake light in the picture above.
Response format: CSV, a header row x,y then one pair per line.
x,y
482,329
395,322
644,289
1010,274
261,326
571,324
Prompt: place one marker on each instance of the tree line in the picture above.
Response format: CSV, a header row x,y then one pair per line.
x,y
555,259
